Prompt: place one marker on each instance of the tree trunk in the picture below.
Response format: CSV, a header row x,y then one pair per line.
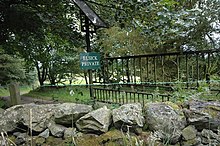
x,y
41,75
85,76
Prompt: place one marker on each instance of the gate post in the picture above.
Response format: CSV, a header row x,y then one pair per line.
x,y
14,90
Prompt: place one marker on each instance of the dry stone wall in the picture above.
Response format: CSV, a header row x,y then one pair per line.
x,y
195,123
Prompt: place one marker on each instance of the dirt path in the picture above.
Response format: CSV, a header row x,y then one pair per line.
x,y
26,100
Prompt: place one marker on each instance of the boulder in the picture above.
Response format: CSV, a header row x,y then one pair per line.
x,y
39,141
21,138
41,115
1,111
56,130
68,113
189,132
45,133
192,142
208,134
128,116
97,121
203,114
166,119
10,118
21,115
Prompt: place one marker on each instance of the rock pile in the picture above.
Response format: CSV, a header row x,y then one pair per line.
x,y
195,123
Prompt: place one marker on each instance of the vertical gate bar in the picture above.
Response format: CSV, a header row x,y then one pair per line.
x,y
143,99
97,93
112,73
155,76
116,98
119,96
100,92
127,70
134,98
180,72
134,66
103,94
122,73
187,72
100,98
94,91
140,65
126,94
208,71
162,63
106,95
178,67
123,97
108,98
197,66
130,97
147,69
138,97
95,76
117,70
107,72
103,69
112,96
131,72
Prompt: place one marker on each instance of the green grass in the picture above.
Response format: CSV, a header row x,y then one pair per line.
x,y
79,94
4,91
2,103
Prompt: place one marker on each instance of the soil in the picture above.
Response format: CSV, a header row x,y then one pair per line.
x,y
26,100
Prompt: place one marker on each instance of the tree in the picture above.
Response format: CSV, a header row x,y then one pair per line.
x,y
11,69
165,25
33,32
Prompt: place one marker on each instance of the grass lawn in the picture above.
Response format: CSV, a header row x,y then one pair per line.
x,y
79,94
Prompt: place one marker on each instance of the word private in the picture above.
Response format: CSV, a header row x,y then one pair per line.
x,y
90,60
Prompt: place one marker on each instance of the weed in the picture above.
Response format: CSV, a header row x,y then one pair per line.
x,y
5,141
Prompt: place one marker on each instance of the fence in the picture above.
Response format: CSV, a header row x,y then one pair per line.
x,y
191,68
123,96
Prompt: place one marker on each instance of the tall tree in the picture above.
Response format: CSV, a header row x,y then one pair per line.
x,y
29,28
165,25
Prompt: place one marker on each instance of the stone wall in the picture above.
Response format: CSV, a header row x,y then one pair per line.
x,y
193,123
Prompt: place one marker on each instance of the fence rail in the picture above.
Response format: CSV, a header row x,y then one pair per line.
x,y
123,96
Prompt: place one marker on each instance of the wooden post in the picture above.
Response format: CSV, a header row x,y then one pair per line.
x,y
89,50
14,93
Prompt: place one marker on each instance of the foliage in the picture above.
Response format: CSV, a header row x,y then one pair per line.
x,y
165,25
180,93
38,29
11,69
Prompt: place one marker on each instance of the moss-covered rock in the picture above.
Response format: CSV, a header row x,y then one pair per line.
x,y
192,142
189,132
109,138
129,117
167,119
204,115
